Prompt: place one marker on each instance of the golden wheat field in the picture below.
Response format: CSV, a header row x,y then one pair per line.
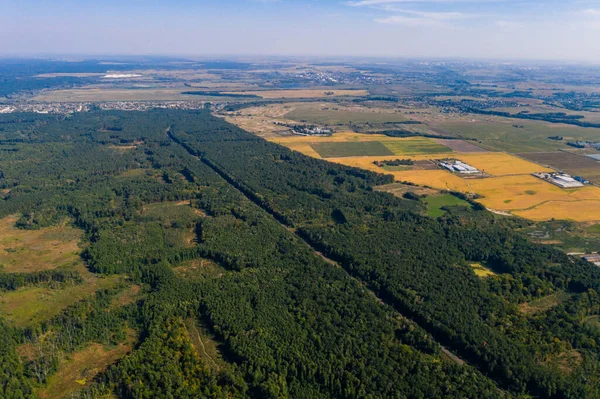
x,y
501,164
579,211
523,192
337,137
511,187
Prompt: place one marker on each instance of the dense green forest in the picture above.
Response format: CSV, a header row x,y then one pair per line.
x,y
156,191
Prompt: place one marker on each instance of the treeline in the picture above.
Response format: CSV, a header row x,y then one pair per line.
x,y
289,323
420,265
408,133
552,117
13,281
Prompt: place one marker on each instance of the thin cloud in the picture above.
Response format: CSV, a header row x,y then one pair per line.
x,y
409,21
370,3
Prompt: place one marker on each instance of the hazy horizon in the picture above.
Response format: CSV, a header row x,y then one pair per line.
x,y
509,30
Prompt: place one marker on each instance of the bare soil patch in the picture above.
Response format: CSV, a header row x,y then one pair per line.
x,y
460,145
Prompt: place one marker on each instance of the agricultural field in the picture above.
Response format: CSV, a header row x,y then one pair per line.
x,y
576,165
29,251
416,146
510,187
301,93
501,164
500,134
411,146
460,145
580,211
333,115
350,149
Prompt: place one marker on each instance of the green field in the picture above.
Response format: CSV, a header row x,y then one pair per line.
x,y
436,203
356,149
342,117
398,168
500,134
415,147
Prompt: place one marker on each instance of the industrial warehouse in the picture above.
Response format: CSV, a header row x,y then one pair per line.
x,y
561,180
456,166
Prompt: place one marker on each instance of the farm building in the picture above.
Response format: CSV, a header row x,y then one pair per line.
x,y
561,180
593,258
458,167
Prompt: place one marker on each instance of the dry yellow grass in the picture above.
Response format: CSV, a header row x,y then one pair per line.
x,y
439,179
336,137
29,306
80,370
34,250
302,93
501,164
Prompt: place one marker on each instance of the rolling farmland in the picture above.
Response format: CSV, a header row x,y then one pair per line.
x,y
507,187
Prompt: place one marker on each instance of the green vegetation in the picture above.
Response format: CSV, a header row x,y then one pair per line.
x,y
415,147
333,116
567,235
501,135
395,165
281,321
351,149
436,204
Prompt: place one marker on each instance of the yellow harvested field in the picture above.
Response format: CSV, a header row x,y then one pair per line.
x,y
501,164
336,137
523,192
301,93
304,148
580,211
511,188
439,179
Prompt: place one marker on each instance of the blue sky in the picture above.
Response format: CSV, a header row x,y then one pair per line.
x,y
503,29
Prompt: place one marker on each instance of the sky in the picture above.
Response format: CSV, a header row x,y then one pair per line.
x,y
564,30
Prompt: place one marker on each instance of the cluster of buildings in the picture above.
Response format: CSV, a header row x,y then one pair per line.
x,y
307,130
584,144
456,166
70,107
561,180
